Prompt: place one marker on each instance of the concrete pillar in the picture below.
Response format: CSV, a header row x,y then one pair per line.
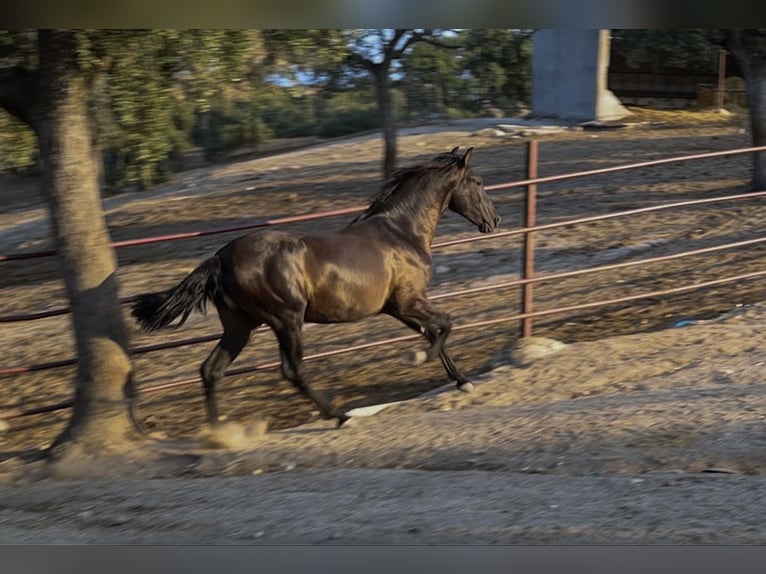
x,y
569,76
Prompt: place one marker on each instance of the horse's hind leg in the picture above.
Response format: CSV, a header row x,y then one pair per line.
x,y
236,333
288,332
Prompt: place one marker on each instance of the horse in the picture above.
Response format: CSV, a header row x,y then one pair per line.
x,y
380,262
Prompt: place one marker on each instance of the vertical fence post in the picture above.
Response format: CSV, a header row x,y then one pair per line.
x,y
530,210
721,90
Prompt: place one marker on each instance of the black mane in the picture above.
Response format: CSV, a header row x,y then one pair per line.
x,y
396,190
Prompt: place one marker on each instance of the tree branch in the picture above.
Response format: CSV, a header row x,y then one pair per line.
x,y
390,52
426,37
436,42
358,61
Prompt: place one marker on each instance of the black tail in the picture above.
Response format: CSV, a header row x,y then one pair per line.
x,y
156,310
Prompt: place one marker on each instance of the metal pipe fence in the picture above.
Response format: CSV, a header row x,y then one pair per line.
x,y
351,210
526,281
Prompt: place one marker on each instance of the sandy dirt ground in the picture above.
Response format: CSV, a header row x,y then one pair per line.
x,y
636,430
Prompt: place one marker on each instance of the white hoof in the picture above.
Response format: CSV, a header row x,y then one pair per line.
x,y
417,357
466,387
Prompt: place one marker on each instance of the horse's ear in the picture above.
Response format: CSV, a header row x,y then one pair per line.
x,y
454,149
466,157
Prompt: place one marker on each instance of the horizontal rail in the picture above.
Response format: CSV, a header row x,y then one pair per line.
x,y
35,315
244,227
30,255
350,210
599,269
12,371
203,233
18,412
626,299
603,217
548,277
479,237
52,312
605,170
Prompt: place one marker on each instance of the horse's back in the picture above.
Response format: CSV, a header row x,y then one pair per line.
x,y
333,276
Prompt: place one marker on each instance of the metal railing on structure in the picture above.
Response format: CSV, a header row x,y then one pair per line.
x,y
526,281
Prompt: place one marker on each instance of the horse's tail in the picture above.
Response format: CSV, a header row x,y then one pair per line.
x,y
156,310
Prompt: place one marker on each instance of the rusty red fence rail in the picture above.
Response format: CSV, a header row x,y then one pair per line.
x,y
191,234
19,412
526,281
482,237
12,371
350,210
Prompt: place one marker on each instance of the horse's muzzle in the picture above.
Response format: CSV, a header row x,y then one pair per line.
x,y
489,227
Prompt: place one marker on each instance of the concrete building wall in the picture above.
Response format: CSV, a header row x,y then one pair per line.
x,y
569,76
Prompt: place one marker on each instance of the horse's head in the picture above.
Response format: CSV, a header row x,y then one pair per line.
x,y
469,198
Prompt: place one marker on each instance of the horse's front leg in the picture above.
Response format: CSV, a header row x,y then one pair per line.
x,y
436,326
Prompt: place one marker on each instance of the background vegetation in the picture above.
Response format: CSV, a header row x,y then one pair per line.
x,y
157,95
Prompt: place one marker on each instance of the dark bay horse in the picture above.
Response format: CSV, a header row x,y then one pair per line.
x,y
379,263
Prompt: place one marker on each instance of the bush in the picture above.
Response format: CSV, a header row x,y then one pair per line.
x,y
349,121
18,146
290,121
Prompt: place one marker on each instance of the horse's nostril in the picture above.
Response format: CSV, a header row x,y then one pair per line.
x,y
497,220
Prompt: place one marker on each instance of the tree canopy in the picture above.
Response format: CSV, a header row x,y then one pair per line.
x,y
155,94
695,49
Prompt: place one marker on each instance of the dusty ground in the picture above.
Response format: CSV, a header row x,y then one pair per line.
x,y
634,432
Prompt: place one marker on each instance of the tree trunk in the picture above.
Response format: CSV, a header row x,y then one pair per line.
x,y
386,122
755,91
99,421
752,61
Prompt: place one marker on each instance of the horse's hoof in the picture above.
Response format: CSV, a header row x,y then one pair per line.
x,y
342,419
417,357
466,387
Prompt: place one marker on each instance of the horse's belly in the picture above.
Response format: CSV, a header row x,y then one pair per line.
x,y
344,304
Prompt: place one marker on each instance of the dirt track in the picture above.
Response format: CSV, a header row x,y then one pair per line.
x,y
572,449
645,438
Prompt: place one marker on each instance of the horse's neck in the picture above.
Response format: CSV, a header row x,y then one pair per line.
x,y
422,214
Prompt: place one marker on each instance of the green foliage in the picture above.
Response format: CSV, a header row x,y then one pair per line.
x,y
318,53
18,147
222,128
139,128
293,116
695,49
433,80
491,67
498,64
156,93
230,125
158,83
18,48
347,113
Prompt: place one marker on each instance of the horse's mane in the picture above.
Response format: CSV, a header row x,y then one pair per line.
x,y
395,189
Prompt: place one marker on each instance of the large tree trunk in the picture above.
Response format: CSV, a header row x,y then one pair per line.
x,y
755,90
386,121
751,57
100,421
